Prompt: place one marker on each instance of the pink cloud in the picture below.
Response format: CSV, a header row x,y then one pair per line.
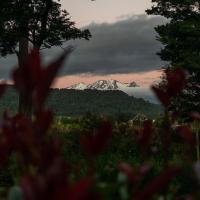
x,y
142,79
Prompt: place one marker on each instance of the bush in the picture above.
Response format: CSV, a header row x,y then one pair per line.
x,y
87,158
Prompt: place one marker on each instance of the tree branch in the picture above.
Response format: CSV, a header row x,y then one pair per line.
x,y
44,20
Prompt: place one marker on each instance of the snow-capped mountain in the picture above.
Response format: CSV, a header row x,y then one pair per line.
x,y
132,89
78,86
103,85
110,85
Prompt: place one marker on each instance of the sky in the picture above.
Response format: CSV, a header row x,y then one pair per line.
x,y
85,12
122,47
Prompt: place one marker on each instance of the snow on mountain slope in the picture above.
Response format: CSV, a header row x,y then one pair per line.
x,y
103,85
78,86
110,85
132,89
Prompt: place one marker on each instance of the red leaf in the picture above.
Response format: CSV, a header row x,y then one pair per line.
x,y
43,121
186,133
95,144
50,183
127,170
33,80
196,116
30,188
5,150
47,77
134,175
162,96
160,182
7,140
176,81
146,134
144,169
34,65
80,190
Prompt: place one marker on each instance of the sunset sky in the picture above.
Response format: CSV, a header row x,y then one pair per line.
x,y
85,12
94,14
122,47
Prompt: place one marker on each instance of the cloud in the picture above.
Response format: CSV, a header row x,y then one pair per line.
x,y
126,46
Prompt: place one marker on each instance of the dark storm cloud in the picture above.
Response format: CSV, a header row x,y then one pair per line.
x,y
123,47
126,46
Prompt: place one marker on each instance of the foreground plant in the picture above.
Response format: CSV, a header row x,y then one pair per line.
x,y
43,173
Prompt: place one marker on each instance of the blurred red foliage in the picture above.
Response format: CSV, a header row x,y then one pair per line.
x,y
45,173
176,82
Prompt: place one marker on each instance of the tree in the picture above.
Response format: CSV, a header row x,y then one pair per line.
x,y
41,23
188,100
181,44
180,36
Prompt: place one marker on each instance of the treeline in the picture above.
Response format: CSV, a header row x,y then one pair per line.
x,y
66,102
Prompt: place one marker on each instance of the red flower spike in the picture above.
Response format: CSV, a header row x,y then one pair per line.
x,y
95,144
35,64
196,116
146,133
176,81
43,121
161,95
5,150
134,175
30,188
126,169
33,80
47,77
8,139
81,190
186,133
144,169
50,184
157,184
26,139
47,158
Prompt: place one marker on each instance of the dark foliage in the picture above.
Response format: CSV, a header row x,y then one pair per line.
x,y
43,171
181,47
42,22
64,102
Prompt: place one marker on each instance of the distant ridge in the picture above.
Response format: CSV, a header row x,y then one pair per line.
x,y
66,102
103,85
132,89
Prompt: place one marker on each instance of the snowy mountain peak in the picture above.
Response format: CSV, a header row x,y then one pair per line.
x,y
131,88
78,86
104,85
132,84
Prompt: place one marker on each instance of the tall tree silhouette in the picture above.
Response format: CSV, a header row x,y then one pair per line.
x,y
181,45
42,23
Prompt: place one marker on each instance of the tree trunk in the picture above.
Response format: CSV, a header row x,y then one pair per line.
x,y
25,106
